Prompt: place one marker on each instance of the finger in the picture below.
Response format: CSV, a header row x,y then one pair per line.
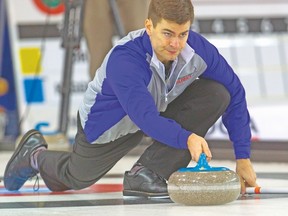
x,y
243,185
208,155
251,183
195,157
250,180
207,151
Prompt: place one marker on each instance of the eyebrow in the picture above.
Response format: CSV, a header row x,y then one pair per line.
x,y
174,32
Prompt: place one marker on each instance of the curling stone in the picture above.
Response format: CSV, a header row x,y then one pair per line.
x,y
204,185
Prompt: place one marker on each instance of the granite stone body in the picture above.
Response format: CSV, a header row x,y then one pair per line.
x,y
204,187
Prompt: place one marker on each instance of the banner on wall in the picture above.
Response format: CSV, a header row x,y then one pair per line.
x,y
39,62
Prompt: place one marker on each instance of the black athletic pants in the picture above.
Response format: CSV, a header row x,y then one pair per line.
x,y
196,109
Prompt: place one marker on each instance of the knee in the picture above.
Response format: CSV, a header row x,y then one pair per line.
x,y
220,95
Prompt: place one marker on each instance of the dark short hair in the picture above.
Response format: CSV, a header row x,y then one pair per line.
x,y
179,11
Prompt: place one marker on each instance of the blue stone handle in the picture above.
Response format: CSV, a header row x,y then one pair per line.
x,y
202,166
202,163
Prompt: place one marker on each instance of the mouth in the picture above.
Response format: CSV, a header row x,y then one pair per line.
x,y
172,52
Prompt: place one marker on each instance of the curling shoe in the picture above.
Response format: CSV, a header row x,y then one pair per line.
x,y
143,182
19,169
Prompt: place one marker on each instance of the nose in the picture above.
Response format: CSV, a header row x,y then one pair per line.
x,y
174,42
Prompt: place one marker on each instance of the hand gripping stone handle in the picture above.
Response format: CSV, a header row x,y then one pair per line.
x,y
266,190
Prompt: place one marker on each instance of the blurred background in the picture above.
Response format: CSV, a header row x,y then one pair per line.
x,y
50,50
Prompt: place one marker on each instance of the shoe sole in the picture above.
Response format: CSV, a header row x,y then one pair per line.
x,y
130,194
19,148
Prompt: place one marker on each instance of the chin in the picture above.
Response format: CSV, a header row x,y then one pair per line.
x,y
173,58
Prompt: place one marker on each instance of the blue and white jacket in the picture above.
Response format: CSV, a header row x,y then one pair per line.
x,y
129,91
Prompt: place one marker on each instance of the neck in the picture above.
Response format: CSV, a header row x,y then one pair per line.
x,y
167,66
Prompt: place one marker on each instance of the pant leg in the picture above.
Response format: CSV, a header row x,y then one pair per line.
x,y
86,164
98,26
197,109
133,13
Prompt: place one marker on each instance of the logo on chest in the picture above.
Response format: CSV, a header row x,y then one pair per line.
x,y
183,79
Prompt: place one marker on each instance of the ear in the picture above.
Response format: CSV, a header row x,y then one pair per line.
x,y
148,26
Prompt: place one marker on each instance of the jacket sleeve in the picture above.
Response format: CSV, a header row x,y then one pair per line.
x,y
236,118
129,77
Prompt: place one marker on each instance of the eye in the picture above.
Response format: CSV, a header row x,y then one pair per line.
x,y
167,34
183,35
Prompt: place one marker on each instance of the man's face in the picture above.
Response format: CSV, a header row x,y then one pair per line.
x,y
167,38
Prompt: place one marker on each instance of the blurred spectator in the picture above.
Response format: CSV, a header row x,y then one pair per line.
x,y
99,25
